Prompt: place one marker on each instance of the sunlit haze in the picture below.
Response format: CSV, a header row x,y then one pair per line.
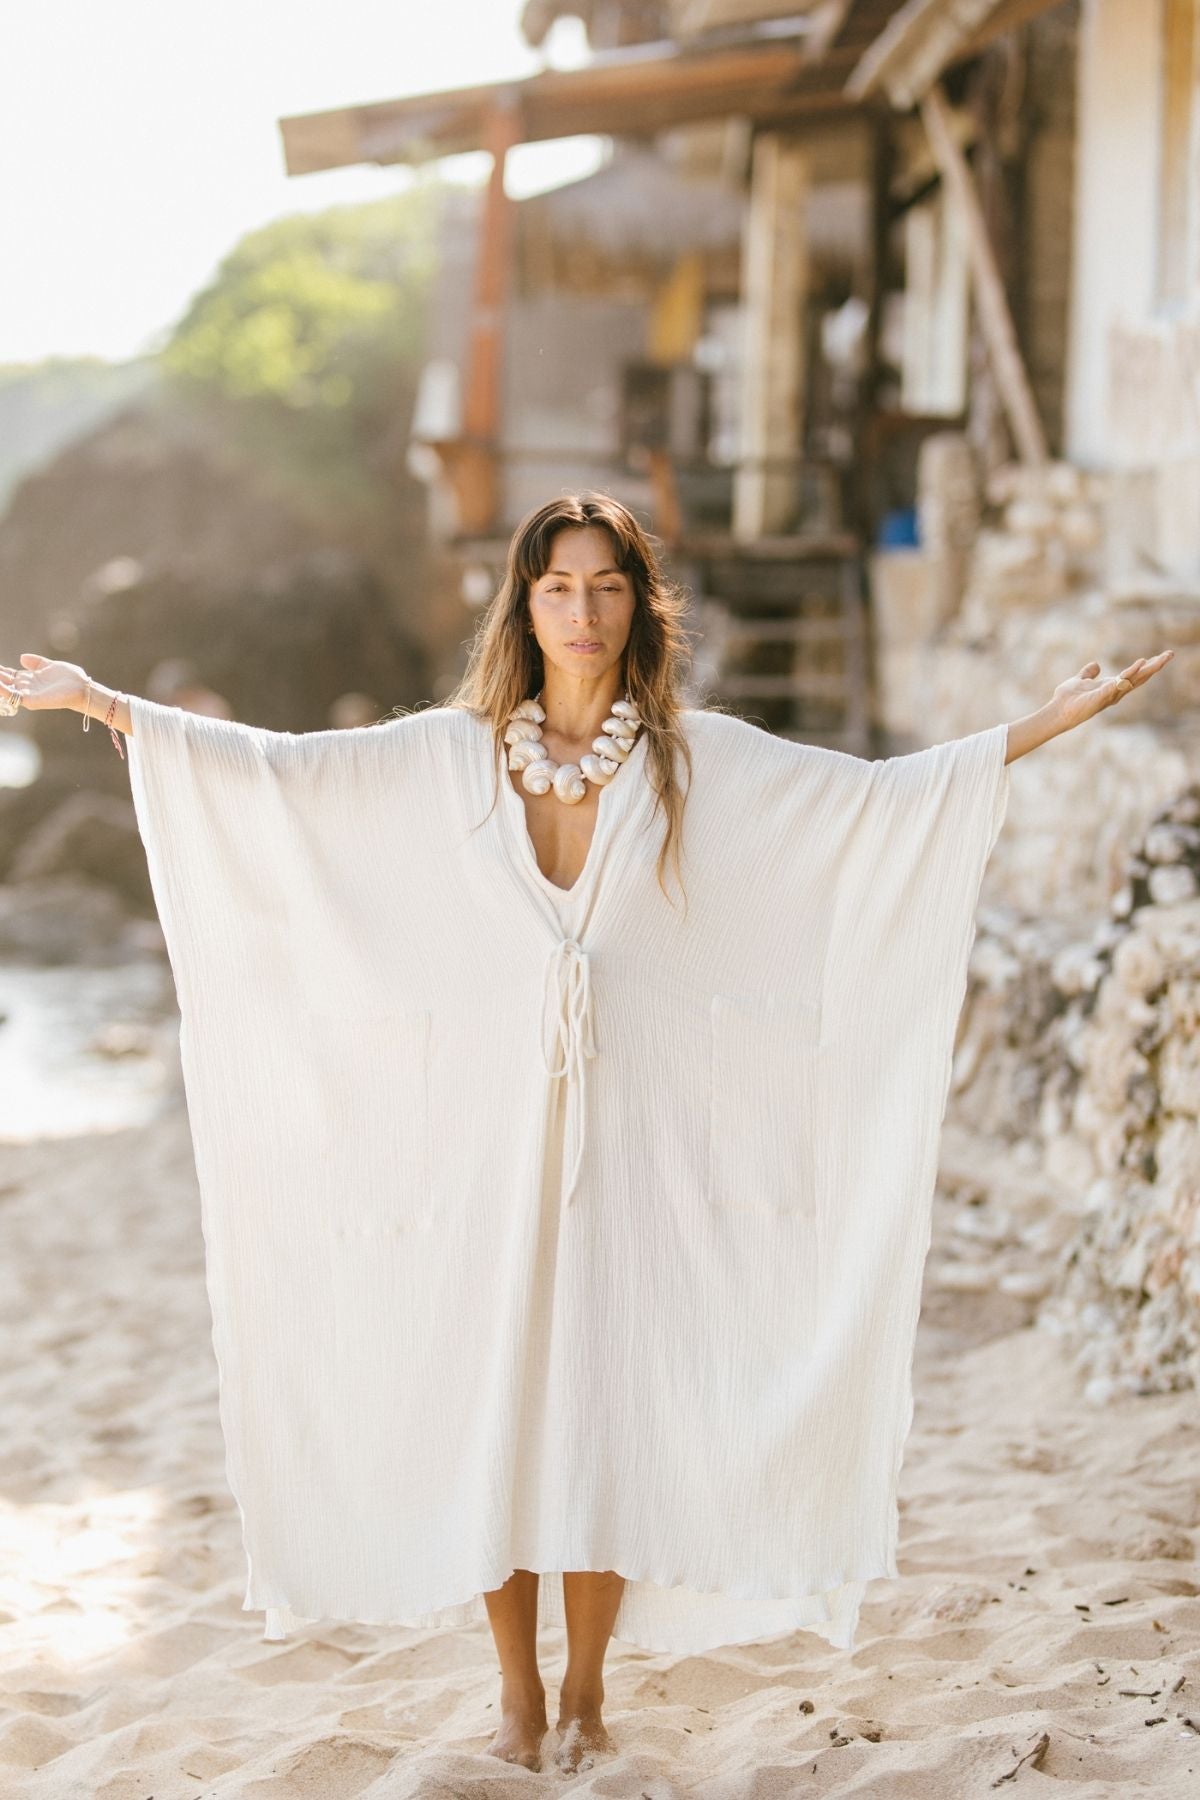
x,y
139,141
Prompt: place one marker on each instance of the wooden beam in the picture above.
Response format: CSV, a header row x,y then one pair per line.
x,y
888,61
630,92
828,20
815,21
924,36
1009,15
995,317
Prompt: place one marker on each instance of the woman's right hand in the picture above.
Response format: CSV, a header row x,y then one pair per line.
x,y
43,683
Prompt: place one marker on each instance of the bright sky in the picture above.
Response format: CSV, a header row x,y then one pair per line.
x,y
138,141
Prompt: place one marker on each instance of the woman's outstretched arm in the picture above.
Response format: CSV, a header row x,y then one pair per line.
x,y
1078,698
43,684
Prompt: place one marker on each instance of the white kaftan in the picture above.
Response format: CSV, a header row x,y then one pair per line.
x,y
564,1231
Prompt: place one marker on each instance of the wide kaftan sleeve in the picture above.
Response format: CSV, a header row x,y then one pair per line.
x,y
924,828
292,875
261,845
921,830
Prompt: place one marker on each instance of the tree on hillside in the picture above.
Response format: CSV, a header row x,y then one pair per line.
x,y
310,336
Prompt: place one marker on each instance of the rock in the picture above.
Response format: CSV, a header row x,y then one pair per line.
x,y
183,547
23,808
1081,529
161,491
1030,518
1077,970
1171,883
1185,810
965,1278
124,1038
1064,482
1179,1074
1169,842
1025,1284
65,920
90,836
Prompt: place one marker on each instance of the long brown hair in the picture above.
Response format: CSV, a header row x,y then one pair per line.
x,y
506,665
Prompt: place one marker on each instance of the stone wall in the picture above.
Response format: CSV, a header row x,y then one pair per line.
x,y
1076,1083
966,637
1072,1159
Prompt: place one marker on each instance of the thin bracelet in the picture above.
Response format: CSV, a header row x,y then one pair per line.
x,y
112,707
87,717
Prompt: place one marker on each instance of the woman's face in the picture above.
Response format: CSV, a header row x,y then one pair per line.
x,y
582,607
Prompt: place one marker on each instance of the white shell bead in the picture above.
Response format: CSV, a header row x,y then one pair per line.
x,y
622,728
529,750
538,777
625,709
598,768
615,748
522,728
529,709
569,783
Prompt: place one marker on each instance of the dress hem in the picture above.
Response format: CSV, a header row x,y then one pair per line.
x,y
282,1617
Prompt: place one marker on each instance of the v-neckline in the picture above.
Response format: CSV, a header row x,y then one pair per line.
x,y
605,812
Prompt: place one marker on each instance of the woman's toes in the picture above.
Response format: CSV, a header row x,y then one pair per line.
x,y
583,1739
518,1740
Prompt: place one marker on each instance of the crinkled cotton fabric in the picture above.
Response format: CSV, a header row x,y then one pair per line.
x,y
554,1229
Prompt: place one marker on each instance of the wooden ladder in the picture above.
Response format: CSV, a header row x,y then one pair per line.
x,y
793,635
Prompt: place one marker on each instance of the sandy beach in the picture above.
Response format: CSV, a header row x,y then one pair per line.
x,y
1046,1624
831,367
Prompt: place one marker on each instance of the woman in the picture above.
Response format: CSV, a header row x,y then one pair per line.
x,y
560,1224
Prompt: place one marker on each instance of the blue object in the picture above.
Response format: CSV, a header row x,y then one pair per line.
x,y
899,527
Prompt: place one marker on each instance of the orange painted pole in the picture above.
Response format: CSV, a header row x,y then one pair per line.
x,y
479,486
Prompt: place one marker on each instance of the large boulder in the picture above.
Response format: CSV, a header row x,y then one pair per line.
x,y
153,483
93,836
66,920
23,808
280,649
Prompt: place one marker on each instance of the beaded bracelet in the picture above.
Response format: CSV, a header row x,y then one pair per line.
x,y
112,707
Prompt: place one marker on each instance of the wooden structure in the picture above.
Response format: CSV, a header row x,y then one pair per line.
x,y
799,87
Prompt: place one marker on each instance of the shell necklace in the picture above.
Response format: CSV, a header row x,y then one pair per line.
x,y
539,771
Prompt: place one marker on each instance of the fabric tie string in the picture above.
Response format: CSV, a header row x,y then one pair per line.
x,y
567,1038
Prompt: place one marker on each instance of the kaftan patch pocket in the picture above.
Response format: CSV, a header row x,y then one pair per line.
x,y
371,1096
766,1103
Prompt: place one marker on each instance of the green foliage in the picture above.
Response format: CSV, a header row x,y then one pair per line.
x,y
301,310
312,331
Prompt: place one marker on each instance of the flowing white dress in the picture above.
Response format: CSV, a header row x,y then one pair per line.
x,y
564,1231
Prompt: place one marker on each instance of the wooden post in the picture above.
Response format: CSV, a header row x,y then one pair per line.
x,y
936,308
668,514
474,466
774,285
994,316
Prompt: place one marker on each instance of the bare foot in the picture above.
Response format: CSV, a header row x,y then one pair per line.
x,y
522,1727
583,1734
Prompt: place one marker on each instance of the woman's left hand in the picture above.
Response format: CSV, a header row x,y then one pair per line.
x,y
1082,695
